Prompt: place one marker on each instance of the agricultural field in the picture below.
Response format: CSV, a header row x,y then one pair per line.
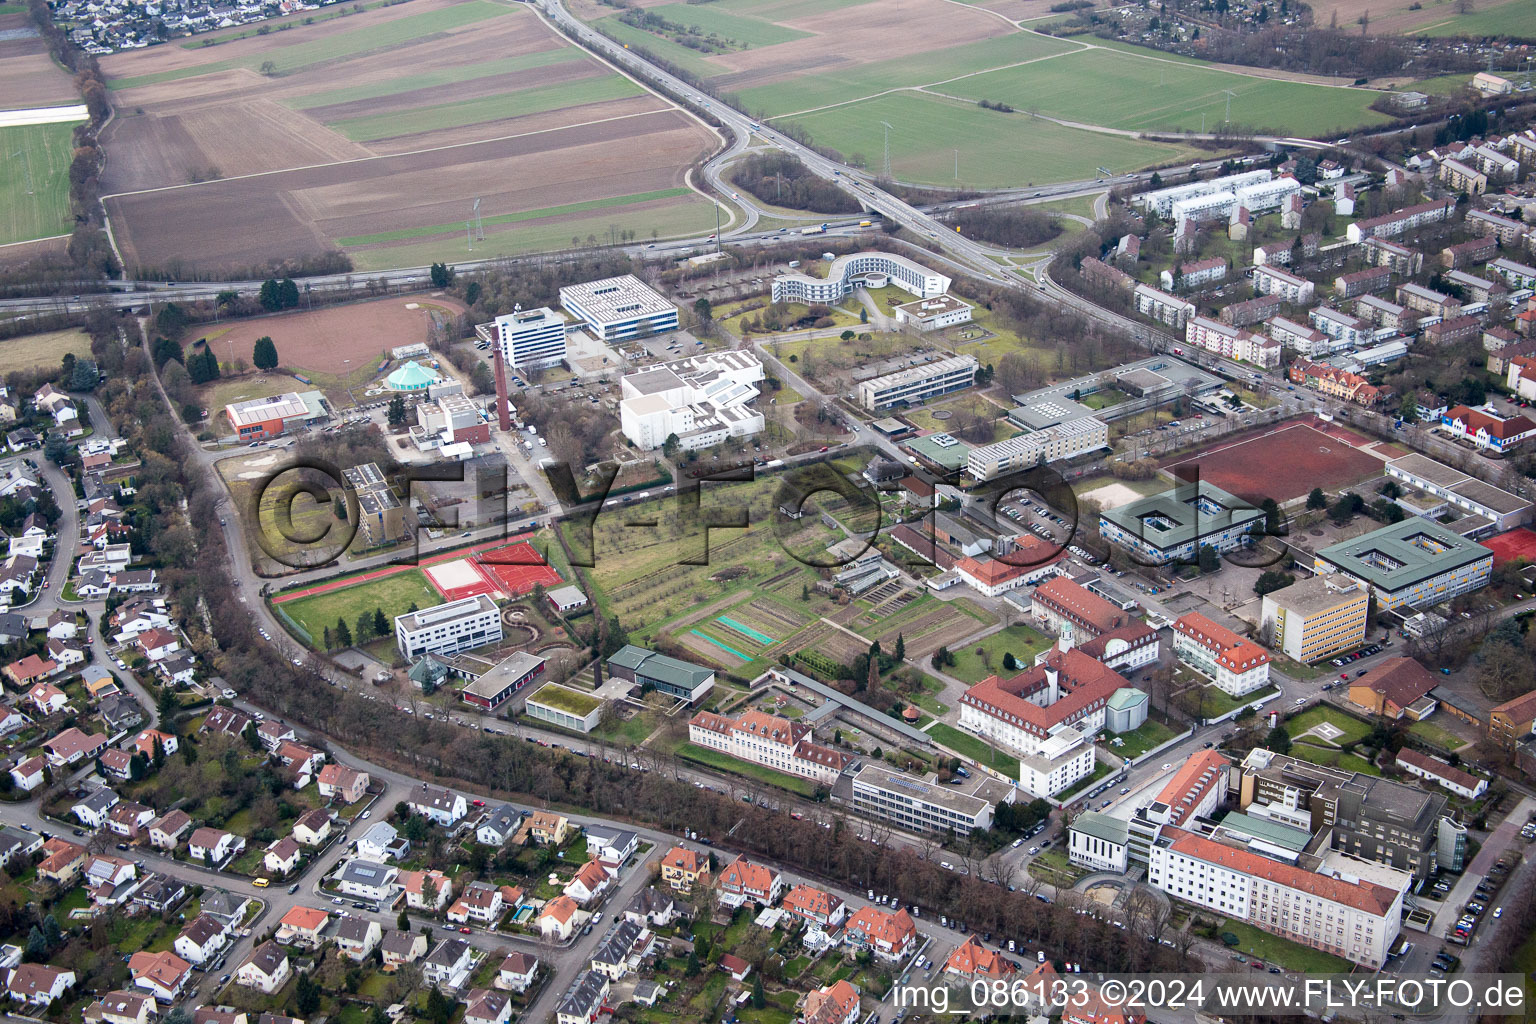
x,y
1510,18
34,181
28,76
42,351
1433,17
312,144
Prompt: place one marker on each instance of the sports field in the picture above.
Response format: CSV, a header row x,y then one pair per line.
x,y
993,149
1513,544
393,594
1283,463
34,185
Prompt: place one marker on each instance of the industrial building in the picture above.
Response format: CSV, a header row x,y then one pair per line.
x,y
918,383
1177,522
379,513
701,400
261,418
619,308
448,628
451,419
1315,617
876,269
531,338
1412,563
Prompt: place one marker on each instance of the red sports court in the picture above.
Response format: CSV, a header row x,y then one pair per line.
x,y
508,571
1507,547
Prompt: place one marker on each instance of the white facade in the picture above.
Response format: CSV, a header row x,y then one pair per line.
x,y
846,270
531,338
918,383
1347,330
1214,659
1268,280
448,628
934,314
1169,309
1061,441
703,400
1063,759
618,308
1161,201
778,743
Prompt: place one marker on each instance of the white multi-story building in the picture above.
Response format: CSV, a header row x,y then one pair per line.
x,y
702,400
1061,441
1170,309
1390,225
531,338
935,313
918,383
1237,666
1232,342
1271,280
1516,275
1308,341
1161,200
847,272
1195,274
1347,330
448,628
619,308
779,743
918,806
1344,908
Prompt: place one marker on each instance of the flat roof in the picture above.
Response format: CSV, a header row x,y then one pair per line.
x,y
1101,826
1274,832
286,406
564,699
614,299
1316,594
459,609
504,674
1405,553
939,304
927,371
943,449
1421,467
911,787
1176,508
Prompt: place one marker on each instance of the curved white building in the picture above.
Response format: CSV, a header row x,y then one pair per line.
x,y
846,270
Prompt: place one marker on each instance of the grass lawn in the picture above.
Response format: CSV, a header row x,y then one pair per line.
x,y
34,183
1352,728
1103,399
995,149
741,27
1333,758
1124,87
1300,670
1283,952
1511,18
42,351
393,594
1217,702
970,746
1082,206
1024,642
1152,733
630,732
687,215
1429,732
1053,868
513,218
762,773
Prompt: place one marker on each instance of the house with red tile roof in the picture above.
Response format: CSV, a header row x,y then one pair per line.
x,y
302,926
815,905
72,746
779,743
338,782
26,671
163,975
975,962
837,1003
1486,429
591,880
1093,1008
888,935
682,868
1236,665
1463,784
1393,686
1060,600
746,882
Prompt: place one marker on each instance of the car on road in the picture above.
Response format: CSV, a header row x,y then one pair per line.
x,y
1166,766
228,693
465,930
1300,701
1034,850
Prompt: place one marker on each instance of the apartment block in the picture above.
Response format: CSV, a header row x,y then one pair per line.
x,y
1313,618
1268,280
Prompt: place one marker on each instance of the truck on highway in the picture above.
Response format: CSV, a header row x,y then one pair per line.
x,y
819,229
866,223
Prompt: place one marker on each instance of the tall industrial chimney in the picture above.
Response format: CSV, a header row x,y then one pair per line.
x,y
503,406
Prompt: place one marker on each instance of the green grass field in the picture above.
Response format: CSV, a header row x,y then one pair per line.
x,y
488,108
1283,952
995,149
975,749
441,76
686,216
1511,18
842,84
34,186
1151,733
514,218
393,594
1023,641
1351,728
1120,89
40,351
379,37
1429,732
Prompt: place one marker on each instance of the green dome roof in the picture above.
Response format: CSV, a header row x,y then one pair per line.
x,y
412,377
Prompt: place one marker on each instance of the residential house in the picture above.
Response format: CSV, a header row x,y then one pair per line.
x,y
65,653
815,905
201,940
129,819
549,827
302,926
368,880
214,845
486,1006
71,746
558,918
744,881
313,827
356,937
623,949
282,857
157,644
381,842
167,832
160,893
498,826
443,806
612,846
652,906
30,774
151,742
400,948
38,984
121,1007
837,1003
340,783
448,965
23,672
225,721
426,890
583,1002
972,962
47,699
265,970
480,901
109,881
591,880
117,763
735,966
163,975
62,862
91,811
517,972
890,936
